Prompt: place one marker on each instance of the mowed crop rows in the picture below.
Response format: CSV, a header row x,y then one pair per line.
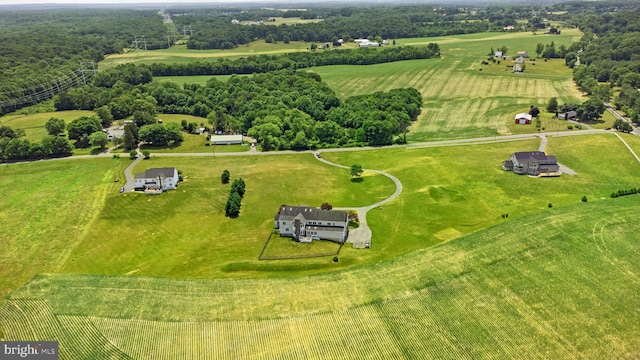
x,y
554,285
461,101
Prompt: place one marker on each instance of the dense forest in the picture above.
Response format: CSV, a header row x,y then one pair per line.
x,y
610,58
215,30
41,51
283,109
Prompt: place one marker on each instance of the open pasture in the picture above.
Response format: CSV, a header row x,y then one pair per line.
x,y
46,209
447,192
33,124
452,191
459,100
184,233
558,284
180,53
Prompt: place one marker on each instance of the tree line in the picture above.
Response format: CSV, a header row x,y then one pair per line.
x,y
284,109
213,29
41,51
610,59
299,60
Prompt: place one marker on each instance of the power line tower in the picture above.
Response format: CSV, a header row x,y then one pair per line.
x,y
187,29
172,37
87,67
139,42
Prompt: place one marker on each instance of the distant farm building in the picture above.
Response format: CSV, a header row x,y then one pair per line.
x,y
306,224
157,180
517,68
523,119
523,54
534,163
498,54
366,43
509,27
226,139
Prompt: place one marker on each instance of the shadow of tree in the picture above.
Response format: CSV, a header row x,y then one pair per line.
x,y
357,180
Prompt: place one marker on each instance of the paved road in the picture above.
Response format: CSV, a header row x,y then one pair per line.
x,y
130,185
619,116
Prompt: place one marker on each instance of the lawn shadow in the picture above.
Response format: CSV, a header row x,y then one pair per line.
x,y
357,180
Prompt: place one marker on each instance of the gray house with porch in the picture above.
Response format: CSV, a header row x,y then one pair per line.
x,y
306,224
534,163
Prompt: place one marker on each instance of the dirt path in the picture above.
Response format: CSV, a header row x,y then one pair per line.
x,y
361,237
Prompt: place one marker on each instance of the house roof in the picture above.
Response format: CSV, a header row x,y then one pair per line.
x,y
535,156
523,116
155,172
226,138
310,214
572,113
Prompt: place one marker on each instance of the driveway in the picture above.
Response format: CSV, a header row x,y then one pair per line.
x,y
361,236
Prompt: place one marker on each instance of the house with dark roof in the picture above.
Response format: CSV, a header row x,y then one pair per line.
x,y
157,180
306,224
534,163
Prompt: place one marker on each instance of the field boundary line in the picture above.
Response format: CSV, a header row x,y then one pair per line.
x,y
628,147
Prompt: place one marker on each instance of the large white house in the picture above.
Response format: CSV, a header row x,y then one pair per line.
x,y
308,223
157,180
535,163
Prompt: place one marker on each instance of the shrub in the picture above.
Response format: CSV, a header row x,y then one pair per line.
x,y
584,198
224,178
133,154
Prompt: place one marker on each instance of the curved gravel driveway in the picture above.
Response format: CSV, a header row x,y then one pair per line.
x,y
361,237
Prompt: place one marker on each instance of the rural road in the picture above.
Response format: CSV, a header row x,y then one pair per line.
x,y
361,237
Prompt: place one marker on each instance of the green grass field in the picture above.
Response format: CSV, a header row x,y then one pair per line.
x,y
559,284
180,53
184,233
33,124
46,209
459,100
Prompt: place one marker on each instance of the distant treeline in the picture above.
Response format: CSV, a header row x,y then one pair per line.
x,y
300,60
610,58
41,51
213,28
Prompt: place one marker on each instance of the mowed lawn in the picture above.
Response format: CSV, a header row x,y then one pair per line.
x,y
46,208
184,233
452,191
556,285
460,101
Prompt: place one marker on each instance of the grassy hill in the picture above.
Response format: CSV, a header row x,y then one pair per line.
x,y
558,284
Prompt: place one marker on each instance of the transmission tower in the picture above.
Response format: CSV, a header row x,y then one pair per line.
x,y
87,67
172,37
140,41
185,29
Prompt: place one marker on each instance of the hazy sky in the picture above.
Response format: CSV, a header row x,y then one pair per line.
x,y
132,2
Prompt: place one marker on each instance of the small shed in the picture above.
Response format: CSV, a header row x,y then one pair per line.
x,y
226,139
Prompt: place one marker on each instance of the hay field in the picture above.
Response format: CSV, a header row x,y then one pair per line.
x,y
459,100
180,53
46,209
559,284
